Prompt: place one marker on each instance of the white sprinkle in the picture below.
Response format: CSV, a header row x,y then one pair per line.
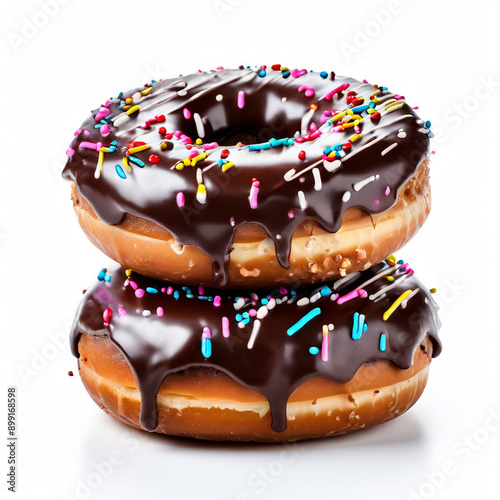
x,y
302,200
346,196
304,301
330,166
199,176
419,121
330,327
146,312
284,99
315,297
424,130
201,196
317,179
404,303
361,184
239,303
390,148
385,289
255,331
381,274
182,93
121,119
288,176
262,312
219,97
402,135
200,129
241,325
278,236
136,97
271,304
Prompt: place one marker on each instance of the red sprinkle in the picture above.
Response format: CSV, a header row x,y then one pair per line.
x,y
154,159
160,118
224,153
375,116
169,136
70,373
162,130
276,67
347,145
302,155
107,315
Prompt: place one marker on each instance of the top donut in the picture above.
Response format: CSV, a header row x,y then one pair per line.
x,y
250,177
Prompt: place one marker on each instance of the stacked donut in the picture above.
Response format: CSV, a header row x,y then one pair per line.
x,y
254,213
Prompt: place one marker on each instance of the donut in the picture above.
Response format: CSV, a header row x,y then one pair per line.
x,y
241,365
251,177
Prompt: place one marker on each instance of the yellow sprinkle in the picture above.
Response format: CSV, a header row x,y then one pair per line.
x,y
361,99
314,106
351,124
146,91
198,158
357,117
179,165
433,290
201,194
128,272
338,117
284,68
397,106
129,100
391,257
126,164
133,109
199,141
355,137
139,148
350,112
163,146
100,159
227,166
125,108
395,305
325,330
187,162
389,278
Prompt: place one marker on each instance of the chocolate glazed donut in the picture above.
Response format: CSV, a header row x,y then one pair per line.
x,y
257,366
270,175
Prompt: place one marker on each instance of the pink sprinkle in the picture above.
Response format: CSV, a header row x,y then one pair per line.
x,y
101,114
298,72
170,290
180,199
159,312
206,333
291,215
122,312
309,91
78,132
133,284
193,153
232,221
313,127
377,202
241,99
252,312
254,193
189,146
352,295
163,290
225,327
211,145
70,152
201,290
96,146
387,191
107,315
140,293
283,291
324,347
398,97
104,130
340,88
186,113
86,133
217,301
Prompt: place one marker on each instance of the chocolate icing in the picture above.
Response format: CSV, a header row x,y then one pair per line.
x,y
277,363
391,148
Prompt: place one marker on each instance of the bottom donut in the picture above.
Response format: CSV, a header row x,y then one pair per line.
x,y
243,366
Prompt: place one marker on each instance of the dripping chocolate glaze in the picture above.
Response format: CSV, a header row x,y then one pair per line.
x,y
277,363
391,148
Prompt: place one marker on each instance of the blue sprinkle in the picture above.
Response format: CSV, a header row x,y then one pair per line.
x,y
202,297
338,147
184,288
150,289
401,262
325,291
294,293
258,147
246,321
358,326
176,294
206,348
313,350
102,274
246,315
107,278
264,301
286,74
323,74
120,172
359,109
239,317
382,343
262,73
120,95
135,160
114,143
98,125
371,105
427,124
327,151
190,296
305,319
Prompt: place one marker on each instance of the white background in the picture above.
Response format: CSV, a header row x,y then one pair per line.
x,y
438,54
